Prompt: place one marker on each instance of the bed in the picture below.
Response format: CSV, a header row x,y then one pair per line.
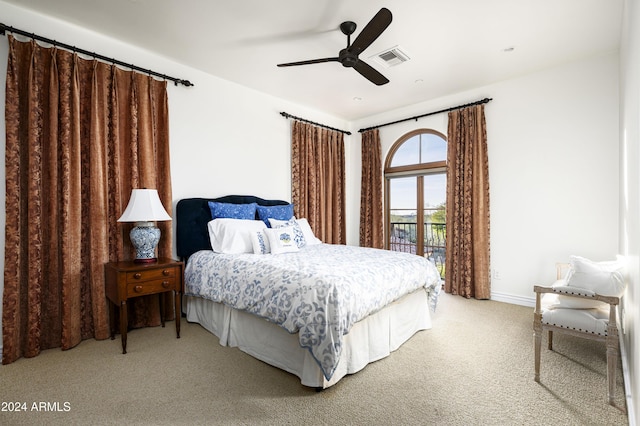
x,y
319,311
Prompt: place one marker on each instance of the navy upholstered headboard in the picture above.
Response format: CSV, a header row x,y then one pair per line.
x,y
193,215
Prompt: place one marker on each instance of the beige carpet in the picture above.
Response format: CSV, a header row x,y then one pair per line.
x,y
475,367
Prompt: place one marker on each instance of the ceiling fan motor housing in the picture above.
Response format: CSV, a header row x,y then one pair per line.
x,y
347,59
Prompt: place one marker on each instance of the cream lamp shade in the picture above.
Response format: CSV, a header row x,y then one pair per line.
x,y
144,208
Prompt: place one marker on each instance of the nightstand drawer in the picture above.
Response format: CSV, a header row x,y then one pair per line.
x,y
150,287
151,274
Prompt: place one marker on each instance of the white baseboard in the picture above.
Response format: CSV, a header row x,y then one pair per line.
x,y
627,382
513,299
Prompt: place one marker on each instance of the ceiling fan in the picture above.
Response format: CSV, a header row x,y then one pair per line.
x,y
348,56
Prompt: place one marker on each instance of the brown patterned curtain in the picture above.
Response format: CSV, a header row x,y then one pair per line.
x,y
80,134
317,164
371,226
467,260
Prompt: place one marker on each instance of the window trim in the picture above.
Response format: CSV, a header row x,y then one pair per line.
x,y
416,169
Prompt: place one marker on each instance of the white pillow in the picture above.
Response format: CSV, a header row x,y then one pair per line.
x,y
232,236
281,240
309,236
277,222
260,242
604,278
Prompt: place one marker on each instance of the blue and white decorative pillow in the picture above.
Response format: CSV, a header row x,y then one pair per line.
x,y
232,211
309,236
298,234
276,212
260,242
281,240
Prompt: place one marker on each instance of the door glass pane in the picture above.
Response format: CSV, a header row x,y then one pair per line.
x,y
402,214
435,187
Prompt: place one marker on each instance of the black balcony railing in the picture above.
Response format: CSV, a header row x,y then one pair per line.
x,y
403,237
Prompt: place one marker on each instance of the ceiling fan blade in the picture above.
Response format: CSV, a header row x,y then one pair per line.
x,y
311,61
370,73
372,31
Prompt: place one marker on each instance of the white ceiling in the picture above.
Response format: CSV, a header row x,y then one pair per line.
x,y
454,45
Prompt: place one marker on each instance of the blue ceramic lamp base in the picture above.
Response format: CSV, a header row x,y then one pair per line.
x,y
144,238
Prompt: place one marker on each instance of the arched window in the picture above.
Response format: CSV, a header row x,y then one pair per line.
x,y
415,201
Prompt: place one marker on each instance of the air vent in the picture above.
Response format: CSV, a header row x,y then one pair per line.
x,y
391,57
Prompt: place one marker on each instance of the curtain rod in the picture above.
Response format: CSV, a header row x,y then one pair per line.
x,y
483,101
176,81
287,115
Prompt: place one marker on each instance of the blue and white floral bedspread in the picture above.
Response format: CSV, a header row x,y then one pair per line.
x,y
318,292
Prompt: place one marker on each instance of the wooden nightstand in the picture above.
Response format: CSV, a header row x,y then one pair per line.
x,y
124,280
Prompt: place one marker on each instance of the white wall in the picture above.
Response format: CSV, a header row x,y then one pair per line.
x,y
553,164
630,194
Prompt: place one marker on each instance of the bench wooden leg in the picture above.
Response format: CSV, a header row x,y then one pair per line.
x,y
537,343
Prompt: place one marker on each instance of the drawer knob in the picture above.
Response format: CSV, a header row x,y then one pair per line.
x,y
165,284
137,275
166,272
137,289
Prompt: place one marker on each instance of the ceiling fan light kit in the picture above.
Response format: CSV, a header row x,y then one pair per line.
x,y
349,56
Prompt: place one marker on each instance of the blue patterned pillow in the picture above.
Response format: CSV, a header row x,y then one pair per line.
x,y
232,211
275,212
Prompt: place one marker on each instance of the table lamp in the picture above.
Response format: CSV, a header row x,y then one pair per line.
x,y
144,208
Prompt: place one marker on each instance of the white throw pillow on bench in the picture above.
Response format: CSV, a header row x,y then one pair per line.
x,y
603,278
587,277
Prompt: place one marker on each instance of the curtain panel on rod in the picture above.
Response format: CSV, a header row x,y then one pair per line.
x,y
371,224
318,180
467,260
80,135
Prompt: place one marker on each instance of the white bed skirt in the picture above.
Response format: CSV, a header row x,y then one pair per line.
x,y
369,340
